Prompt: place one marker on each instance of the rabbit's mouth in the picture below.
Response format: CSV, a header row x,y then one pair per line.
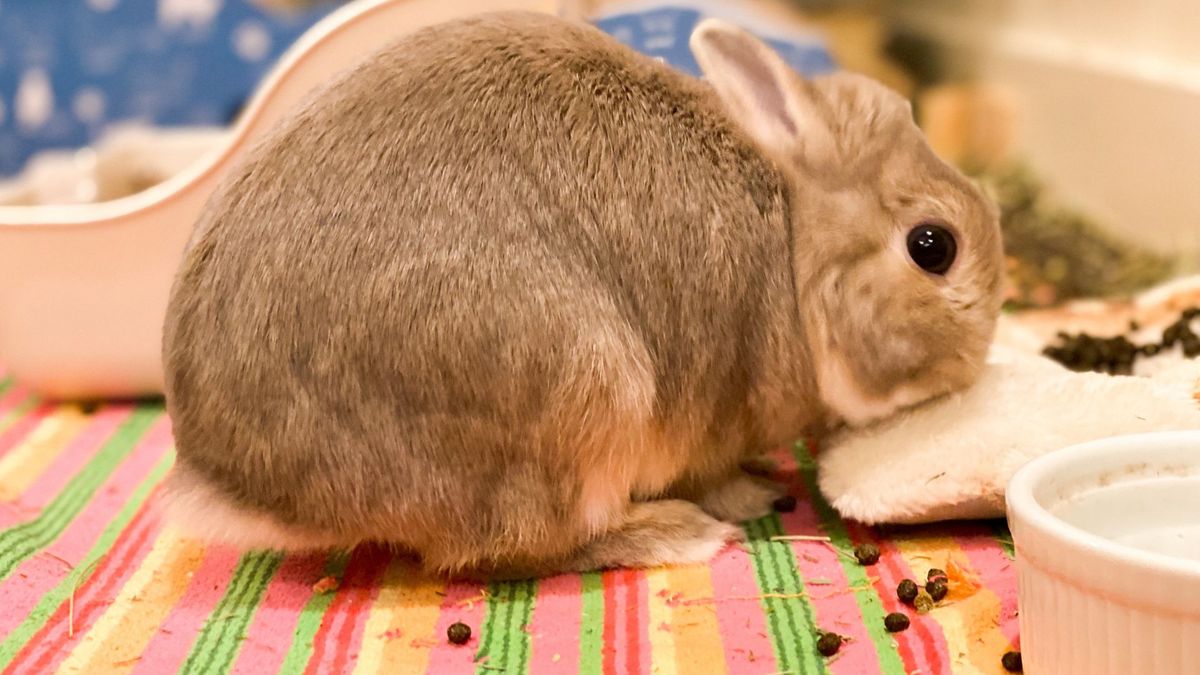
x,y
841,392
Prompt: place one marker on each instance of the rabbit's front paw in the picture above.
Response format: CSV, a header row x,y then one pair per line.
x,y
743,497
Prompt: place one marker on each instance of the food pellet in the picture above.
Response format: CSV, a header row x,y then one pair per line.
x,y
1116,355
458,633
937,590
785,504
1191,346
866,554
829,644
936,574
907,591
1011,662
895,622
923,603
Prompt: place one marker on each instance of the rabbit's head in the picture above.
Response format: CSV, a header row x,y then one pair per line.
x,y
897,256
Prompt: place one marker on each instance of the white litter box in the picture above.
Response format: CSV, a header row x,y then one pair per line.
x,y
84,286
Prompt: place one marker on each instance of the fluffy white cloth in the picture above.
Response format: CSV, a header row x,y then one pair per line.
x,y
951,458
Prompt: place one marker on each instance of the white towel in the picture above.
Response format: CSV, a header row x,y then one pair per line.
x,y
951,458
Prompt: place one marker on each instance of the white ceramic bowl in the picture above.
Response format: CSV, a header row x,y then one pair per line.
x,y
1108,556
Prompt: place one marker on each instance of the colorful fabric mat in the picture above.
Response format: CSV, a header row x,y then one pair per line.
x,y
92,582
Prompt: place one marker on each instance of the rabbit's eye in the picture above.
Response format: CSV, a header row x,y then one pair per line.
x,y
932,247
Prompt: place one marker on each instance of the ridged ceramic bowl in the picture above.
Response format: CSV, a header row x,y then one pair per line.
x,y
1107,535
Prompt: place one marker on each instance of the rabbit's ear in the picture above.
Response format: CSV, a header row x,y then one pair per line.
x,y
781,111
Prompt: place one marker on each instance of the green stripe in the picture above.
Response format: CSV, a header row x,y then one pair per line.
x,y
791,621
591,626
764,574
221,638
310,619
869,604
504,639
204,646
53,599
801,613
19,543
524,642
6,383
490,620
13,416
242,613
487,630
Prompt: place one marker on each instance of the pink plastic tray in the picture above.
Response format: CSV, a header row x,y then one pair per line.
x,y
84,287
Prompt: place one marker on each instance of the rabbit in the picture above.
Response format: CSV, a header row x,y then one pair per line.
x,y
517,300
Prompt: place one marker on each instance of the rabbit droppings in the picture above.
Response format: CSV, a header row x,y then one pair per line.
x,y
517,299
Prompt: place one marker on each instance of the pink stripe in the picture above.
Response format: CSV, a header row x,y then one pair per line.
x,y
91,600
449,658
996,573
639,637
12,398
273,629
742,624
22,428
338,640
37,575
69,462
171,644
555,624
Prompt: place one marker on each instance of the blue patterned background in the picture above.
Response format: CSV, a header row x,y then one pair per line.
x,y
69,68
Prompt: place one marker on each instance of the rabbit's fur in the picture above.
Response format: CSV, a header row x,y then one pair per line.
x,y
520,300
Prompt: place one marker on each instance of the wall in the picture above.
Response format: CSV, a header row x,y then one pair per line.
x,y
1109,96
71,68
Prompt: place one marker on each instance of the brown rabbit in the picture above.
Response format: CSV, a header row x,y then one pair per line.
x,y
518,299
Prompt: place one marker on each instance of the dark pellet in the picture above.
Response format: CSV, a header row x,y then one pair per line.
x,y
1171,335
866,554
829,644
458,633
1011,662
895,622
935,574
1191,346
936,590
785,504
907,591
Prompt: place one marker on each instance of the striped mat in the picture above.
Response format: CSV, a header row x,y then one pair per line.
x,y
91,582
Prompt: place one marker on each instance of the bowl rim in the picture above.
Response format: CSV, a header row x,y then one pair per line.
x,y
1024,508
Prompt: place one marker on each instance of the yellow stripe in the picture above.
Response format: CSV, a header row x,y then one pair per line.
x,y
399,633
28,460
661,615
119,636
974,641
697,635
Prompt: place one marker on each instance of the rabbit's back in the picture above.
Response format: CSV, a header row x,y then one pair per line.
x,y
423,254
